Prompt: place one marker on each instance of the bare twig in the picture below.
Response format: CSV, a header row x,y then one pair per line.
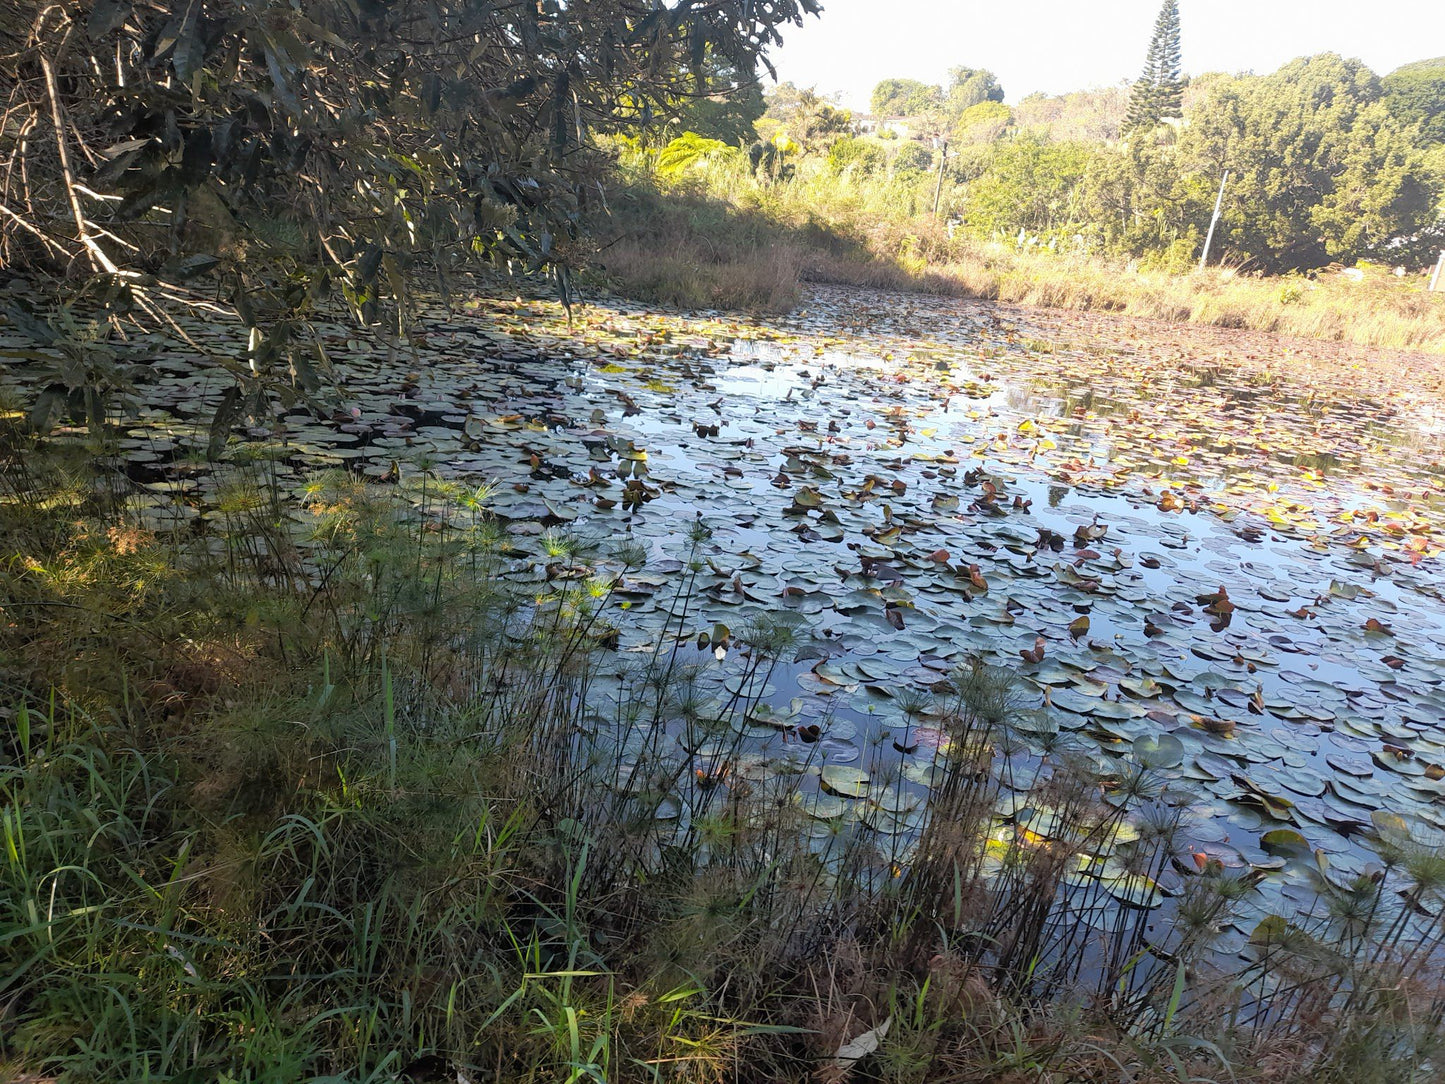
x,y
98,258
29,228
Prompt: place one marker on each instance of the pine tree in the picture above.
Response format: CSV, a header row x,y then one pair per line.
x,y
1159,93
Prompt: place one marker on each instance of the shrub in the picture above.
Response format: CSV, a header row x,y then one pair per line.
x,y
982,123
860,157
912,158
688,150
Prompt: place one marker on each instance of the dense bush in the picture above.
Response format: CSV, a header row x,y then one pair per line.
x,y
982,123
862,157
1327,162
912,158
1320,168
1033,186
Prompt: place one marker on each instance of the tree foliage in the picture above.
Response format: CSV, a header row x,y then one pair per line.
x,y
296,148
805,117
1159,92
904,98
728,117
937,109
1320,168
1034,186
1090,115
729,108
968,87
1415,94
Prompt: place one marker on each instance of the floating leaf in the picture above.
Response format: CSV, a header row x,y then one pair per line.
x,y
1134,890
844,781
822,806
1286,843
1163,751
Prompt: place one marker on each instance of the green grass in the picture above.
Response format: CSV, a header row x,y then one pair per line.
x,y
320,792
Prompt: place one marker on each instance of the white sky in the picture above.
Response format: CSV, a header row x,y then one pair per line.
x,y
1061,45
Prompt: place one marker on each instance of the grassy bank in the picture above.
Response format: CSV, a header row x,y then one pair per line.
x,y
719,237
344,783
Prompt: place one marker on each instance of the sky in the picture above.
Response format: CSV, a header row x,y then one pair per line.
x,y
1056,46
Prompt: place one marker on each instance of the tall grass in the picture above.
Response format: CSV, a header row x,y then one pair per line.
x,y
723,237
346,785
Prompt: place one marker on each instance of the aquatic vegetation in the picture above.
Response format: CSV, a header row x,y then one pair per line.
x,y
643,697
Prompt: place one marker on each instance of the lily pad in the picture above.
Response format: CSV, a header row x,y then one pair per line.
x,y
845,782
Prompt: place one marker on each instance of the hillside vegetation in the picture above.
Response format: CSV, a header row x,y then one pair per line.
x,y
1089,200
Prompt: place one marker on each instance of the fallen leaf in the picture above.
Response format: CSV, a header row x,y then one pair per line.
x,y
862,1045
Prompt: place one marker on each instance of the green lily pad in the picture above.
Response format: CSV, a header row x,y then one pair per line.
x,y
845,782
1160,751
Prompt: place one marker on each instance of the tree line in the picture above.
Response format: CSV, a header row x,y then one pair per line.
x,y
1327,162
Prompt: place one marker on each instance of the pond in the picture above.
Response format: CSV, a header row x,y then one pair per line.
x,y
1228,540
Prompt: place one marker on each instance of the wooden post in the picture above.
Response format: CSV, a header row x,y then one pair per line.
x,y
938,188
1439,267
1213,221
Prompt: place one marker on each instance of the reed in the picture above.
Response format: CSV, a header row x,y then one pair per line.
x,y
329,795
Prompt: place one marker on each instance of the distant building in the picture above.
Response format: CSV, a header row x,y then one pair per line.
x,y
897,127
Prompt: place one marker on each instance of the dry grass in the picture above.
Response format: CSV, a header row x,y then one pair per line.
x,y
1375,312
687,276
1378,311
690,251
728,240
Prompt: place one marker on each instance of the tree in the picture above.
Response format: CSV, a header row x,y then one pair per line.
x,y
784,101
728,116
1159,93
804,116
1415,94
1320,168
821,127
292,150
904,98
1143,205
1091,115
969,87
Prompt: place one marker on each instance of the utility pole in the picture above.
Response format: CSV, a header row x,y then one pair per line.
x,y
942,161
1439,269
1213,221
